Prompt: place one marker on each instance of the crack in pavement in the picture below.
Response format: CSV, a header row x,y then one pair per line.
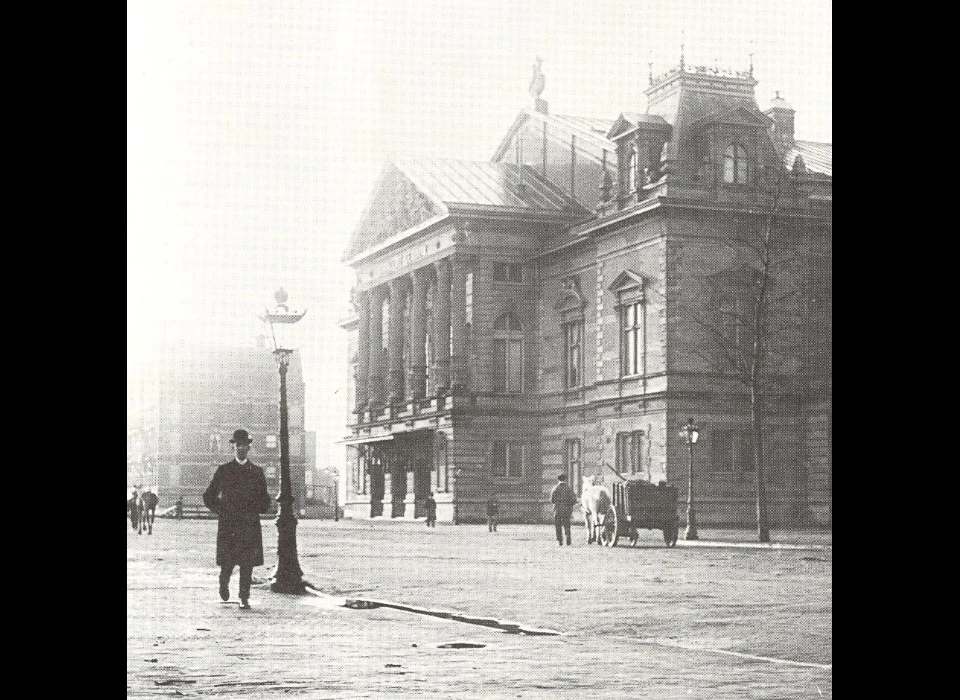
x,y
492,623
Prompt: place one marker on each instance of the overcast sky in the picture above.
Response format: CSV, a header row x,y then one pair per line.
x,y
256,129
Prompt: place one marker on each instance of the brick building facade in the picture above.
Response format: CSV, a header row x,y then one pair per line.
x,y
569,304
185,405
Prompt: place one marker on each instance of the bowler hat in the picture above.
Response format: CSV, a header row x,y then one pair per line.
x,y
241,436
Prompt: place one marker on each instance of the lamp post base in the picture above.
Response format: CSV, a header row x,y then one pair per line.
x,y
292,586
288,577
691,533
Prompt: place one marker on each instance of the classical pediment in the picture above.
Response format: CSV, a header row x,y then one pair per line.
x,y
628,121
736,116
626,280
396,205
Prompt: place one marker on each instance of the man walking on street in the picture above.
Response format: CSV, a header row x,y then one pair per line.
x,y
431,511
493,510
563,500
133,509
238,494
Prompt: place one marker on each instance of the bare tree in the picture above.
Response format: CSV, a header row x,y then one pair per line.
x,y
755,321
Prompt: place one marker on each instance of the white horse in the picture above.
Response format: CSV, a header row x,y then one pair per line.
x,y
595,500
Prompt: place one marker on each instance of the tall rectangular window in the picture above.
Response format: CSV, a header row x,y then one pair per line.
x,y
573,354
508,364
630,452
573,463
507,460
631,325
468,297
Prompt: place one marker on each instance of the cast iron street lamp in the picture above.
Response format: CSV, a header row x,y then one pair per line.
x,y
690,433
289,576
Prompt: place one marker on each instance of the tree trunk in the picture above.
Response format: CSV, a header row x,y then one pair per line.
x,y
756,415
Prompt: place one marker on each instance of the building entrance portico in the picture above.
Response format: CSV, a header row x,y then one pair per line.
x,y
396,475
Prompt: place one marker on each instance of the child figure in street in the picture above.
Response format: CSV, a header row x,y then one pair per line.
x,y
493,511
431,511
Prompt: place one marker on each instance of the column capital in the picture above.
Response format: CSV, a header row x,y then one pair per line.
x,y
442,266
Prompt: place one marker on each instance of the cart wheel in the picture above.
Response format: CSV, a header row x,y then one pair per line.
x,y
670,533
611,528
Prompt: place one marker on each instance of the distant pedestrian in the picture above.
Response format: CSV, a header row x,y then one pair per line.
x,y
493,512
238,493
431,511
563,499
178,508
148,510
133,509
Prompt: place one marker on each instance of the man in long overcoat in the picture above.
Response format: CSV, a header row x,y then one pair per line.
x,y
563,499
238,494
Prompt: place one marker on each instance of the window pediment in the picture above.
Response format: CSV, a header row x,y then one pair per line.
x,y
571,299
738,116
628,280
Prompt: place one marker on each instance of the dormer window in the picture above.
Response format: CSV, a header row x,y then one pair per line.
x,y
735,165
632,170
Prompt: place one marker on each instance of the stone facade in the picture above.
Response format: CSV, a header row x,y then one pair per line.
x,y
567,306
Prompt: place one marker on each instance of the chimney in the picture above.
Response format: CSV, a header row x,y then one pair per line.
x,y
782,114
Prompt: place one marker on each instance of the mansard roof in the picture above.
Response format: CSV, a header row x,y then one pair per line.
x,y
413,193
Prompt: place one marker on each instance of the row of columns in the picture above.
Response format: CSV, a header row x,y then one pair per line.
x,y
381,376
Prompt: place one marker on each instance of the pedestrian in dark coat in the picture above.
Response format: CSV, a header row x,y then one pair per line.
x,y
133,510
493,512
563,499
238,494
431,511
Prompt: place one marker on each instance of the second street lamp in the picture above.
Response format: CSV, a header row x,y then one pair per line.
x,y
289,576
690,433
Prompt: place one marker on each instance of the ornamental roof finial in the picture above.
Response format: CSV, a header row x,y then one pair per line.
x,y
538,81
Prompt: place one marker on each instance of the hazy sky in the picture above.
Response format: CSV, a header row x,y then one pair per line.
x,y
256,129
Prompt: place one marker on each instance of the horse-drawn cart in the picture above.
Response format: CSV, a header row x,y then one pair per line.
x,y
637,503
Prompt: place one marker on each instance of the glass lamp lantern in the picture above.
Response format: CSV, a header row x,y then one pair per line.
x,y
282,322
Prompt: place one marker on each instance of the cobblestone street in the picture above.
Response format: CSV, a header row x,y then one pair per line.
x,y
695,621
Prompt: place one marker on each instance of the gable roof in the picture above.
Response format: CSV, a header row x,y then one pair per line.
x,y
583,127
414,193
817,156
451,182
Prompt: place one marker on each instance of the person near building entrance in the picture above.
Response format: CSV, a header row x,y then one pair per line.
x,y
493,511
431,511
179,508
238,494
563,500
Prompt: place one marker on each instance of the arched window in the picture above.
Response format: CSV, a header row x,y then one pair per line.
x,y
508,354
735,165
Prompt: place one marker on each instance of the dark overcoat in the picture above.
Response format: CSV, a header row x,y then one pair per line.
x,y
563,499
238,494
